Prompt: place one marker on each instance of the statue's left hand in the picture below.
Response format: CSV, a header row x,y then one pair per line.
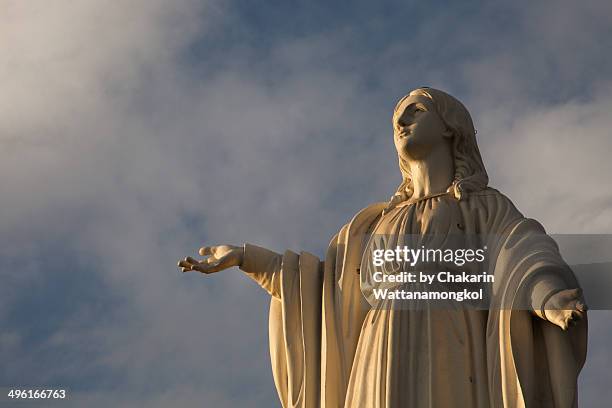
x,y
566,308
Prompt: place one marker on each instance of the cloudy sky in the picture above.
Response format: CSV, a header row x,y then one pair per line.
x,y
134,132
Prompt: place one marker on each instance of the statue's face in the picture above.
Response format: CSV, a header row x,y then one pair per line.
x,y
417,128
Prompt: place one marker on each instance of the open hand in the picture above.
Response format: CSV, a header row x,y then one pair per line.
x,y
218,257
565,308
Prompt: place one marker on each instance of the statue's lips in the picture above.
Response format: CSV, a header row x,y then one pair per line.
x,y
405,133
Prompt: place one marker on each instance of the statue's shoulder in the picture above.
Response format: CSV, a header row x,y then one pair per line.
x,y
367,216
495,203
364,219
492,194
360,224
489,191
371,211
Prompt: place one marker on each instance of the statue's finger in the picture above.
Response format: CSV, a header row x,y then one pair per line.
x,y
184,264
571,316
192,260
205,251
185,268
201,268
581,306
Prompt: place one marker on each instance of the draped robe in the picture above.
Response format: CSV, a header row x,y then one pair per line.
x,y
330,348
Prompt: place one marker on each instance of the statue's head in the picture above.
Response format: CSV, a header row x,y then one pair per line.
x,y
455,126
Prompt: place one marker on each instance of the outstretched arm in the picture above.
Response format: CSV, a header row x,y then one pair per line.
x,y
218,258
260,264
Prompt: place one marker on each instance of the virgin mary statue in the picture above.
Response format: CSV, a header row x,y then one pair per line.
x,y
332,345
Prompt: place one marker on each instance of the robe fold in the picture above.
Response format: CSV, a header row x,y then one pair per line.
x,y
331,348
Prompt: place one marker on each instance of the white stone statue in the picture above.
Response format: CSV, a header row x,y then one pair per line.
x,y
331,348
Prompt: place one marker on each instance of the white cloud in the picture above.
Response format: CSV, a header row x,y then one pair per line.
x,y
115,152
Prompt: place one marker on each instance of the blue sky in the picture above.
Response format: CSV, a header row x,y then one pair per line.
x,y
132,134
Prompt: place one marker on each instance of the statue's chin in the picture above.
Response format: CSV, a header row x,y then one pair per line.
x,y
410,148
